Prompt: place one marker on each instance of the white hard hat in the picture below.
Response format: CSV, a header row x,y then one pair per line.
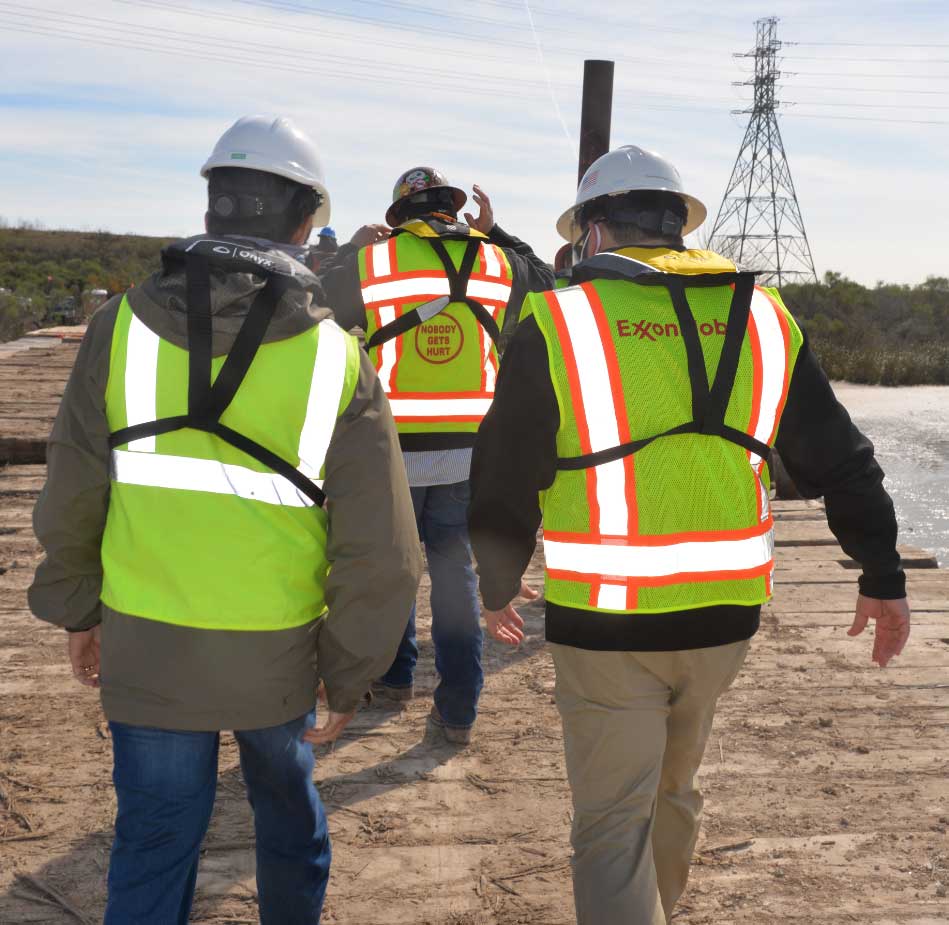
x,y
623,171
273,145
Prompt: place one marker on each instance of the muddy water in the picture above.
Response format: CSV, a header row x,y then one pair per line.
x,y
910,429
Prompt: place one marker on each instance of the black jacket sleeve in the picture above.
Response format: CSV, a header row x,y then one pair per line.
x,y
826,455
515,457
339,277
529,274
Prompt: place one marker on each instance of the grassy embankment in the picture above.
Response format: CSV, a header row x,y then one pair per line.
x,y
44,269
889,335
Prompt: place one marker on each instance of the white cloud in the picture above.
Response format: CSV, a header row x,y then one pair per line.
x,y
113,135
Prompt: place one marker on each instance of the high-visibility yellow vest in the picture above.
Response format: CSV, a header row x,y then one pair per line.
x,y
435,353
660,502
199,533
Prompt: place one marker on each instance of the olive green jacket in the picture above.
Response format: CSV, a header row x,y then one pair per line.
x,y
172,677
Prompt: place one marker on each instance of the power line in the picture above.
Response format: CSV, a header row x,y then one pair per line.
x,y
887,90
868,44
388,42
833,60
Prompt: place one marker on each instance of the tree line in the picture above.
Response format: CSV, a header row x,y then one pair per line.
x,y
886,334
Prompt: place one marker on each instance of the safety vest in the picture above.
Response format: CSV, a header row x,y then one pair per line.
x,y
203,530
671,389
435,304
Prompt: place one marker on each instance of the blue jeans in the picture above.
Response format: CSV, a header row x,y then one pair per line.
x,y
441,512
165,783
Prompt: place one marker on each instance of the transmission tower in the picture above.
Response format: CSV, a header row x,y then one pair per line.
x,y
759,224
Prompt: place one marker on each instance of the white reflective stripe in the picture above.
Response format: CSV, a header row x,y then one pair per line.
x,y
774,362
141,381
611,597
491,260
380,259
322,407
490,374
389,352
439,408
421,288
599,408
660,561
183,473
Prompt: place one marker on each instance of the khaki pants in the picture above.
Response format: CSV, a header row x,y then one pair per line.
x,y
635,726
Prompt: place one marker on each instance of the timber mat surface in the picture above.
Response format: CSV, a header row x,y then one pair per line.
x,y
825,777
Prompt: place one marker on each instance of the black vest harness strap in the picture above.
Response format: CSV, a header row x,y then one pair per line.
x,y
457,292
709,403
207,401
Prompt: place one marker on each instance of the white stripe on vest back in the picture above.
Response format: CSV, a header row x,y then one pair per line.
x,y
439,408
774,361
611,597
322,409
490,260
660,561
185,473
141,381
389,352
598,407
380,259
420,287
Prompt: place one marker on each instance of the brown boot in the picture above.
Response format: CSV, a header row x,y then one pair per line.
x,y
399,694
457,735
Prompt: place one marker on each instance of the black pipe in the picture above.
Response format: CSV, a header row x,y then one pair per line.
x,y
596,114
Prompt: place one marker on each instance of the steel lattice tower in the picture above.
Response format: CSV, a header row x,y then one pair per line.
x,y
759,223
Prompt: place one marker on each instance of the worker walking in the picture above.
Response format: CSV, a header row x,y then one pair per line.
x,y
226,522
634,416
435,298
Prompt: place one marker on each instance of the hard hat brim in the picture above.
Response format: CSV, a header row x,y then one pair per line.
x,y
459,197
571,231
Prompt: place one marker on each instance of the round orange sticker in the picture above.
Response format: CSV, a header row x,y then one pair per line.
x,y
440,339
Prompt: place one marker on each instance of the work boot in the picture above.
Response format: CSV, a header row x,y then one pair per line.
x,y
399,694
457,735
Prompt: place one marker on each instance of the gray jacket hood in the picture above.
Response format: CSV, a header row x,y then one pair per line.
x,y
239,270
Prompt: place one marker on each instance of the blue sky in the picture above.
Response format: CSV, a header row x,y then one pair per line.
x,y
109,107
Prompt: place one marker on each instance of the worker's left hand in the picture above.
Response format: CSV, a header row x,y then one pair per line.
x,y
485,220
369,234
330,730
892,626
508,625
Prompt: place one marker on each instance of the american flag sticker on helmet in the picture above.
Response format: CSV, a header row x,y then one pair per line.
x,y
589,180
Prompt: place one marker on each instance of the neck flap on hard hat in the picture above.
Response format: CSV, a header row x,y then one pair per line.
x,y
238,255
438,225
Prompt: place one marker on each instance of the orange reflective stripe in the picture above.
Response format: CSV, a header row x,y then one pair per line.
x,y
664,539
758,571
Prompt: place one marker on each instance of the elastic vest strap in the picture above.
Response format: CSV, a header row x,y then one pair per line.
x,y
207,401
709,404
457,288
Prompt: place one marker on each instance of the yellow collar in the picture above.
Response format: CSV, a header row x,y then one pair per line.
x,y
689,262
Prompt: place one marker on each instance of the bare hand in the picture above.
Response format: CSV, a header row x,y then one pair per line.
x,y
330,730
369,234
485,220
508,625
892,626
83,651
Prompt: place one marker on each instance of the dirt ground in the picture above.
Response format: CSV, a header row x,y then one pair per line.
x,y
827,779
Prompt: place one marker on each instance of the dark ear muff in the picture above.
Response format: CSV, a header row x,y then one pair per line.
x,y
224,205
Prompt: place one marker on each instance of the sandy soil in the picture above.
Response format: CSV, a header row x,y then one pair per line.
x,y
826,779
